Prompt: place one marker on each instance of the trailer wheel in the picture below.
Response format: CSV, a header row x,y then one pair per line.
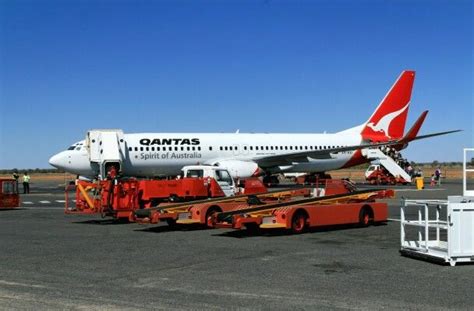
x,y
298,222
210,212
366,216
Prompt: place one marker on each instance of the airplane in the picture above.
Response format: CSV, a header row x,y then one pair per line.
x,y
247,154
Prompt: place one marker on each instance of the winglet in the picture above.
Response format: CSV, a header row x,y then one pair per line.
x,y
411,134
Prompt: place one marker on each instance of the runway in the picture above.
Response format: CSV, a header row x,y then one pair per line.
x,y
56,261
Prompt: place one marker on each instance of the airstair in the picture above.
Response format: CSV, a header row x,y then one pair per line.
x,y
106,147
387,162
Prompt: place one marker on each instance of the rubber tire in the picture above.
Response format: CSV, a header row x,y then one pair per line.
x,y
209,213
298,223
364,217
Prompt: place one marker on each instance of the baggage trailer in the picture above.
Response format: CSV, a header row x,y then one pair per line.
x,y
202,212
9,197
358,207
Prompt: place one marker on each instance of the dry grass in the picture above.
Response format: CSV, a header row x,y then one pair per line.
x,y
354,174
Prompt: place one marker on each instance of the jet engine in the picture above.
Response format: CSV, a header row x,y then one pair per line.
x,y
240,169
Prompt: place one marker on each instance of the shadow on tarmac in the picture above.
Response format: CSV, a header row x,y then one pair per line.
x,y
184,228
283,232
103,222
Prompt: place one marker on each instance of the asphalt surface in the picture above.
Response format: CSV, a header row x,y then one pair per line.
x,y
54,261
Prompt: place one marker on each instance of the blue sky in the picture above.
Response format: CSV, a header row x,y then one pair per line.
x,y
218,66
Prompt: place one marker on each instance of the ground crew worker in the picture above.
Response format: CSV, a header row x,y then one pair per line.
x,y
16,176
26,183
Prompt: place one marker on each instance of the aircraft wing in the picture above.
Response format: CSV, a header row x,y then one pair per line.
x,y
307,155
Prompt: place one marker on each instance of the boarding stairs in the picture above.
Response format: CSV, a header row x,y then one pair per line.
x,y
387,162
104,147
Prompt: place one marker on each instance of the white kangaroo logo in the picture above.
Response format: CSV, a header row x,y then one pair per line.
x,y
384,123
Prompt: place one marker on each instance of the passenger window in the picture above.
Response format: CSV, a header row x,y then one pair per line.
x,y
182,148
194,148
157,148
136,148
210,148
230,148
199,148
129,148
141,148
152,148
220,148
147,149
251,147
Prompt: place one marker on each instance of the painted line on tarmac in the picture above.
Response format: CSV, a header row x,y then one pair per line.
x,y
45,202
27,202
393,219
3,282
60,201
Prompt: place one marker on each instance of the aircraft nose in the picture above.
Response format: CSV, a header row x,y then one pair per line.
x,y
57,160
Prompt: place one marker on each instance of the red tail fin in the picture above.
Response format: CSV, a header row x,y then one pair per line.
x,y
388,120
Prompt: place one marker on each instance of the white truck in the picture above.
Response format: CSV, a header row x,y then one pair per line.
x,y
221,175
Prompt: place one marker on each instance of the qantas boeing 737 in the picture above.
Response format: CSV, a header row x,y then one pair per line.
x,y
245,155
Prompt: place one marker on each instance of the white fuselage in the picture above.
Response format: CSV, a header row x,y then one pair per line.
x,y
154,154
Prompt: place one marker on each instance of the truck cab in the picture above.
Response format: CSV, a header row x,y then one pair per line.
x,y
371,169
221,175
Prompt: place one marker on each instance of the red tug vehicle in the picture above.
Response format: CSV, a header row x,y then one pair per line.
x,y
119,198
9,197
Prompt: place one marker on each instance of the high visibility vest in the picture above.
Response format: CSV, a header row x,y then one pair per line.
x,y
26,178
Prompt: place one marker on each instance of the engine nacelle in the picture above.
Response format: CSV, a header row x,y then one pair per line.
x,y
240,169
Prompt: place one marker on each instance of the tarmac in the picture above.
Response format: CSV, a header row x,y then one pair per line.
x,y
50,260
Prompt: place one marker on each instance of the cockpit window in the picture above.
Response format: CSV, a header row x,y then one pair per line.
x,y
71,148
